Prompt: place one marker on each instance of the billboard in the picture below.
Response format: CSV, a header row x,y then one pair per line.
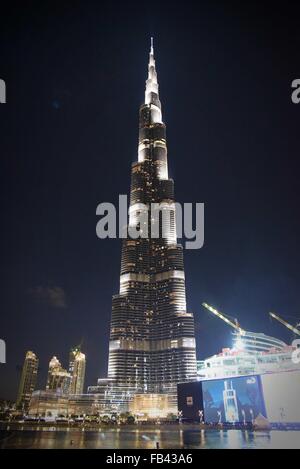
x,y
233,400
282,394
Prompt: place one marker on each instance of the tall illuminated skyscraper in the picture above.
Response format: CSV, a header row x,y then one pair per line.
x,y
152,341
28,380
77,370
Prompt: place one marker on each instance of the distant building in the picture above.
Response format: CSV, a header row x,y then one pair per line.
x,y
28,380
51,404
234,362
72,356
48,404
58,378
77,370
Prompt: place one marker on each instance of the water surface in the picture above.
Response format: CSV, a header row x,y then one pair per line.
x,y
168,438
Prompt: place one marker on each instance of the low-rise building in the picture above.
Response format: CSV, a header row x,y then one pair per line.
x,y
234,362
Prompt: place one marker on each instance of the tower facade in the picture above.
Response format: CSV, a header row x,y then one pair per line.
x,y
152,341
28,380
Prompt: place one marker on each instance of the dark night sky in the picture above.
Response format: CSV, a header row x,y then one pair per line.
x,y
75,75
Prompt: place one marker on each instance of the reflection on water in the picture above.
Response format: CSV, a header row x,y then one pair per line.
x,y
168,438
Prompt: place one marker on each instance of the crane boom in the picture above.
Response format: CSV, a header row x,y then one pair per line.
x,y
224,318
286,324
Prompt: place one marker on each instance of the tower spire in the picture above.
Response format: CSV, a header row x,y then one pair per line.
x,y
151,92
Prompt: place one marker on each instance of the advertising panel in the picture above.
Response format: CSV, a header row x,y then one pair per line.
x,y
233,400
281,395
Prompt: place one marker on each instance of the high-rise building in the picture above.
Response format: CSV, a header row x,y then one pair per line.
x,y
28,380
72,355
58,378
77,370
152,342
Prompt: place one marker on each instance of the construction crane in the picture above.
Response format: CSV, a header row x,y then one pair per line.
x,y
217,313
286,324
